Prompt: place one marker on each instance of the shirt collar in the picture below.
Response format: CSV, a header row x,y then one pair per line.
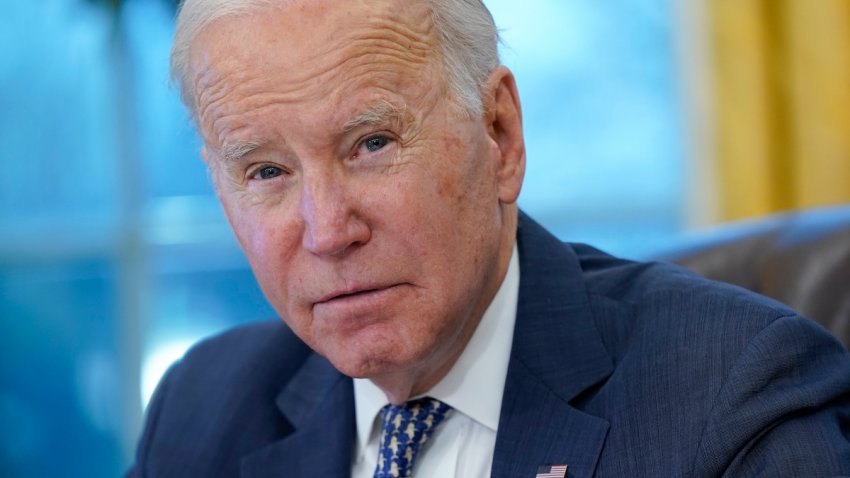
x,y
475,384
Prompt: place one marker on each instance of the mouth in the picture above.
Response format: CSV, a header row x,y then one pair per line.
x,y
353,308
355,293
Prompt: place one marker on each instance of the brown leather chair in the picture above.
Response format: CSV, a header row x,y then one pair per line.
x,y
800,258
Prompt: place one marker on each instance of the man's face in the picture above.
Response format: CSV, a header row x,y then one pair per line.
x,y
372,211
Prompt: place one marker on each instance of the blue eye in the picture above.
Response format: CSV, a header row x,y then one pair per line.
x,y
269,172
375,143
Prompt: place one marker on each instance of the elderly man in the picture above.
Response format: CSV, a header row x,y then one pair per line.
x,y
368,155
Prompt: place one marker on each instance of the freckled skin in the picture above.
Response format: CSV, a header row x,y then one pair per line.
x,y
419,222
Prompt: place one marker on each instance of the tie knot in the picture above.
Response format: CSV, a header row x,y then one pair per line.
x,y
404,429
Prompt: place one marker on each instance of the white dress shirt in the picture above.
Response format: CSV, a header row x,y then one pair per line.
x,y
462,446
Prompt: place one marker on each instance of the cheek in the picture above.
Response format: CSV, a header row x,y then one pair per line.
x,y
435,229
269,250
255,218
438,175
267,241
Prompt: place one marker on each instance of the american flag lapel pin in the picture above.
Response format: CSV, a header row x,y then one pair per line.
x,y
552,471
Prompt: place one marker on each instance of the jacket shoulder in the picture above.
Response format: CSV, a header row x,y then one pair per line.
x,y
662,289
218,402
720,378
655,308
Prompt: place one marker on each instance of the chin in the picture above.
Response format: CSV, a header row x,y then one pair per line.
x,y
364,368
373,362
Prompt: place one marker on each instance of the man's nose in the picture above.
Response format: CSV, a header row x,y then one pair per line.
x,y
332,226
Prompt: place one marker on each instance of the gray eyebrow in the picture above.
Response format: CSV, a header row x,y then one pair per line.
x,y
379,113
236,151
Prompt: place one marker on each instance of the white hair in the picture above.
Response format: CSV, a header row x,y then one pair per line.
x,y
466,33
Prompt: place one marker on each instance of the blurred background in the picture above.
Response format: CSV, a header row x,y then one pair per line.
x,y
646,120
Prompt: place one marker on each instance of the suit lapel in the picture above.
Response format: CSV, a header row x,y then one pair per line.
x,y
557,354
319,403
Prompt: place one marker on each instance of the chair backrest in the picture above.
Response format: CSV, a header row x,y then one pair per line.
x,y
800,258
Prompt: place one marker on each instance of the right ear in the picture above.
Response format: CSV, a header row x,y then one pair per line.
x,y
503,116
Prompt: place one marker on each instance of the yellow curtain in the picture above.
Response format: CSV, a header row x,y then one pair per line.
x,y
782,90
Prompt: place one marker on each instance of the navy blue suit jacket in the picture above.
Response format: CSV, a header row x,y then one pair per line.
x,y
617,369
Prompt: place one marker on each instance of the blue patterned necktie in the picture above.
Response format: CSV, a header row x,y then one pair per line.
x,y
404,429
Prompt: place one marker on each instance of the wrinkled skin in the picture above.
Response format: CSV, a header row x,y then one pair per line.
x,y
377,216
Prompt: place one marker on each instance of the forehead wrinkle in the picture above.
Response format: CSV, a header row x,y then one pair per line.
x,y
210,88
402,32
378,40
213,101
372,57
400,36
225,117
228,119
386,53
214,107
